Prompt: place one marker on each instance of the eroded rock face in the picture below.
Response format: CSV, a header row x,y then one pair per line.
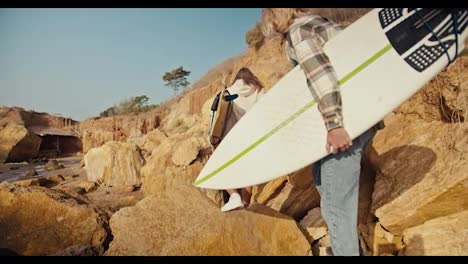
x,y
378,241
185,222
443,236
18,144
314,224
39,221
152,140
295,197
115,163
421,172
95,139
186,152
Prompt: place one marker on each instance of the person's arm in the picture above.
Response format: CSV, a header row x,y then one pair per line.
x,y
321,77
323,84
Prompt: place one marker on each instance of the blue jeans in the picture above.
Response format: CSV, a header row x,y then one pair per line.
x,y
337,180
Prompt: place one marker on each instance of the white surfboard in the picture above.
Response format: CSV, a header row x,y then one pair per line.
x,y
381,60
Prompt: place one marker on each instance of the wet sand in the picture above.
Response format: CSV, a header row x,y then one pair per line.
x,y
10,172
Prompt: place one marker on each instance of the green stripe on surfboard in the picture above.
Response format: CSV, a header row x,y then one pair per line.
x,y
293,116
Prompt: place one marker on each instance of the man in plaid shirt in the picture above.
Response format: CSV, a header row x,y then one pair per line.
x,y
336,176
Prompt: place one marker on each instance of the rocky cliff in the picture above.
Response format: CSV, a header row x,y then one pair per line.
x,y
413,186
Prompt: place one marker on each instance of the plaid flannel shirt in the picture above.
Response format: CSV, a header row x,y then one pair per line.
x,y
305,39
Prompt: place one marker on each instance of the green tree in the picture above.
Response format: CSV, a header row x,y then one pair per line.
x,y
176,79
108,112
129,105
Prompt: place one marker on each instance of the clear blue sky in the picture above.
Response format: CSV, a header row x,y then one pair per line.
x,y
78,62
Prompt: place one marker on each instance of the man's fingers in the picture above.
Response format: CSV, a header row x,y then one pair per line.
x,y
334,149
328,146
344,148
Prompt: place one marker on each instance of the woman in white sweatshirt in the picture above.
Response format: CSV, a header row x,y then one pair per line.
x,y
250,90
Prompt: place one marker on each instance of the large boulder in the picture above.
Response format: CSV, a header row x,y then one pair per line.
x,y
314,224
297,197
376,241
156,176
39,221
185,152
443,236
115,163
147,143
421,172
152,140
18,144
95,139
185,222
53,165
264,192
161,174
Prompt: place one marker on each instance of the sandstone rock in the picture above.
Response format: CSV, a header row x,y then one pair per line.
x,y
31,173
324,241
115,163
314,224
30,182
160,177
160,173
18,144
51,181
38,221
94,139
53,165
123,188
325,251
186,152
88,186
68,177
298,196
74,191
443,98
160,158
56,178
421,172
179,120
319,249
322,247
366,188
443,236
136,140
185,222
380,242
264,192
152,140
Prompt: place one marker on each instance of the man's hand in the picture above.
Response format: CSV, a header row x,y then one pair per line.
x,y
338,139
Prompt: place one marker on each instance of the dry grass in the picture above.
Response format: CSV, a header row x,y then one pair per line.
x,y
254,37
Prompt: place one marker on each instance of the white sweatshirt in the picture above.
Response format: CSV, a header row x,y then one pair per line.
x,y
248,96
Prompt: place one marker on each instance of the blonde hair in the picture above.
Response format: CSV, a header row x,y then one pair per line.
x,y
277,20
